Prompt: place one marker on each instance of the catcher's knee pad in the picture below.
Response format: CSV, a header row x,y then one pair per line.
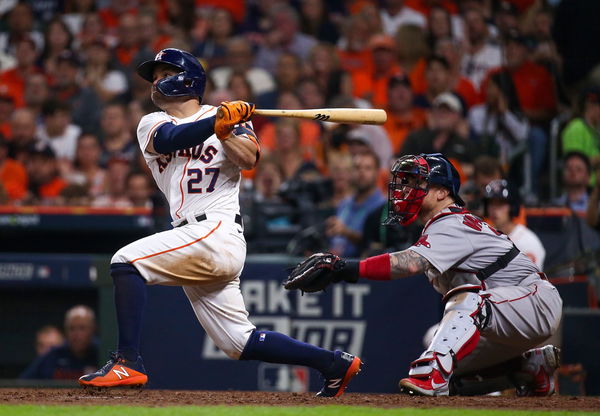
x,y
457,336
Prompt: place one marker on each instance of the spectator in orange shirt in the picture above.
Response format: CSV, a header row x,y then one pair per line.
x,y
15,78
13,177
534,84
372,85
45,184
412,52
403,117
354,52
110,15
128,40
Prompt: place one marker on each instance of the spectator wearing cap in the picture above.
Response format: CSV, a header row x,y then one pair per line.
x,y
402,116
394,14
446,132
506,18
284,36
502,205
481,54
117,138
577,171
45,182
13,176
84,102
581,134
14,79
461,85
372,85
498,128
100,74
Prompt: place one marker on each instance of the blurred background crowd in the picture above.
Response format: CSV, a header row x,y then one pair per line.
x,y
507,89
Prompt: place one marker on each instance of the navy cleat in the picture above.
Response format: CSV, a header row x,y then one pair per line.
x,y
345,366
117,372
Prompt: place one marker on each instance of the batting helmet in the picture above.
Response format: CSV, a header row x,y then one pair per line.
x,y
411,177
500,190
189,82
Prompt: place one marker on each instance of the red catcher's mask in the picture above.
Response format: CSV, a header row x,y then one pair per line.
x,y
408,188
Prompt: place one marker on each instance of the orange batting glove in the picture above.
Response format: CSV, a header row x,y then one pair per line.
x,y
229,114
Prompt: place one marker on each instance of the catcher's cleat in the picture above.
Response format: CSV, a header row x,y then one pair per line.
x,y
117,372
540,364
432,384
345,366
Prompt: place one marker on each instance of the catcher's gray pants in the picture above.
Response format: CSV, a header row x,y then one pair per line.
x,y
521,318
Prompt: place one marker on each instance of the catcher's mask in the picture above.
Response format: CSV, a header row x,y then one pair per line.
x,y
411,177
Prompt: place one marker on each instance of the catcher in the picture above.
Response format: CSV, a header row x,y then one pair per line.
x,y
498,305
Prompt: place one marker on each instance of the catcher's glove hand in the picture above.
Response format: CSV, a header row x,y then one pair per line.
x,y
229,114
315,273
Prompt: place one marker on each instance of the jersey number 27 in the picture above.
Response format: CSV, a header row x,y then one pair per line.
x,y
196,175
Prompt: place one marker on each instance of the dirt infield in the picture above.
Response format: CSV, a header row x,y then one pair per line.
x,y
155,398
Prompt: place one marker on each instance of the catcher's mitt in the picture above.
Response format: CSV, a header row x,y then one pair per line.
x,y
315,273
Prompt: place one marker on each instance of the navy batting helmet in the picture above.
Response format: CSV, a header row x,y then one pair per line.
x,y
189,82
499,189
411,177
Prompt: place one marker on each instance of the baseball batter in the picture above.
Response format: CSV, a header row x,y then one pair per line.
x,y
498,305
196,153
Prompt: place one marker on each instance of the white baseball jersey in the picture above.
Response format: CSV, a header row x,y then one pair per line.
x,y
204,256
460,244
195,180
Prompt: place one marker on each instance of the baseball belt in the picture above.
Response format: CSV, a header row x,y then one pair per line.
x,y
202,217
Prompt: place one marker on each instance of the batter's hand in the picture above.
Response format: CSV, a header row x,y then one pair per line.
x,y
229,114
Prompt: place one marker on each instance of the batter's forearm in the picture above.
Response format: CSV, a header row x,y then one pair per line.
x,y
170,137
242,151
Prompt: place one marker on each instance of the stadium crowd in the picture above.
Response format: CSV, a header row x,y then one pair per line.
x,y
507,89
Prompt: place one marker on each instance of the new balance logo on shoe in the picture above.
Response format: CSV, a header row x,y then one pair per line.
x,y
334,383
123,373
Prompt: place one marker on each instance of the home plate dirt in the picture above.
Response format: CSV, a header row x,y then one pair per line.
x,y
155,398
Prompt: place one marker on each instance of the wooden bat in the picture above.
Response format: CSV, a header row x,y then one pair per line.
x,y
336,115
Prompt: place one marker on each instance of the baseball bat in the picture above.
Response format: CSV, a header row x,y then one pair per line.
x,y
336,115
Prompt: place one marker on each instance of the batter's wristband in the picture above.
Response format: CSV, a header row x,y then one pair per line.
x,y
376,268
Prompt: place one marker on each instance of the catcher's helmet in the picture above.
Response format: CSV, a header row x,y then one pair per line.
x,y
500,190
411,176
189,82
